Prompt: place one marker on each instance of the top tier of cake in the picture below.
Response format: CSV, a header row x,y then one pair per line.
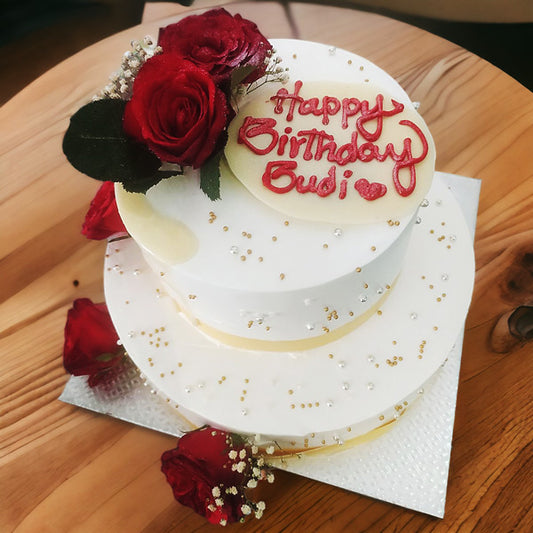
x,y
283,260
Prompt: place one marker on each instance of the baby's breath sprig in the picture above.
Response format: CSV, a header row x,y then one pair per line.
x,y
121,82
274,72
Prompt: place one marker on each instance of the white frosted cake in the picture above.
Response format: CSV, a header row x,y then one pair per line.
x,y
311,303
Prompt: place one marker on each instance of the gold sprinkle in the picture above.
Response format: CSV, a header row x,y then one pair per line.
x,y
439,299
394,342
361,67
143,333
381,417
180,365
166,343
317,404
325,245
405,403
302,405
260,259
225,228
162,375
323,441
443,223
291,391
242,398
248,235
243,258
248,251
292,406
286,222
373,248
245,391
274,238
431,231
423,277
330,355
157,345
365,285
294,56
246,380
150,335
349,61
380,312
121,272
162,328
326,309
127,302
250,323
282,276
309,404
149,359
358,269
172,372
396,222
420,356
326,330
387,287
351,313
161,274
377,365
244,234
192,296
268,328
449,246
348,429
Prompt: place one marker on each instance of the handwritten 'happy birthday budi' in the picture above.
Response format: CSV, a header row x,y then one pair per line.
x,y
363,123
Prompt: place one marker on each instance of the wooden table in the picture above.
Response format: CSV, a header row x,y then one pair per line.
x,y
62,468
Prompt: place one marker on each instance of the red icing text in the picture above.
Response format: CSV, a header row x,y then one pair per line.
x,y
261,136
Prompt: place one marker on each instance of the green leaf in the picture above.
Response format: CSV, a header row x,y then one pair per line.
x,y
240,74
210,176
96,145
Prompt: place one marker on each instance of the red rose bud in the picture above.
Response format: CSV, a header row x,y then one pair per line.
x,y
208,472
102,219
90,342
176,110
217,42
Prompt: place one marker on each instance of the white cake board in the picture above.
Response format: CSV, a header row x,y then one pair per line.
x,y
408,465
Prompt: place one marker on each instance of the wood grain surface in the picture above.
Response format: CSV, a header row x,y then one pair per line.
x,y
65,469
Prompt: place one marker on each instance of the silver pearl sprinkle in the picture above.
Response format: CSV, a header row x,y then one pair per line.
x,y
420,391
424,202
379,290
131,334
341,364
310,327
244,412
438,202
363,298
413,316
337,232
416,105
332,50
345,386
370,386
445,277
234,250
329,403
370,358
136,272
418,220
116,267
453,238
187,390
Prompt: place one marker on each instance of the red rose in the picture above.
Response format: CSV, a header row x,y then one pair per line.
x,y
102,220
217,42
90,342
176,110
201,471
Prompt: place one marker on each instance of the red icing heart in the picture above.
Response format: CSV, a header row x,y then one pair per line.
x,y
370,191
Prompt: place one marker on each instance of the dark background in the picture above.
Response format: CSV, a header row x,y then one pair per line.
x,y
38,34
